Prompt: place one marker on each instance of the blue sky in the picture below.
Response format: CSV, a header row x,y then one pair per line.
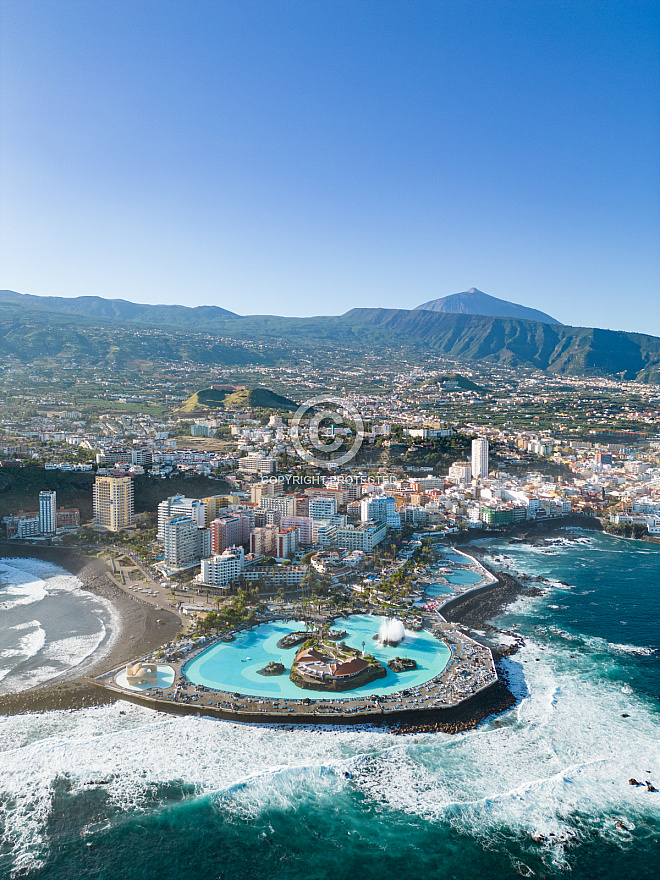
x,y
305,157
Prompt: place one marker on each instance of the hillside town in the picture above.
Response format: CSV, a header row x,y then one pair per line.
x,y
274,519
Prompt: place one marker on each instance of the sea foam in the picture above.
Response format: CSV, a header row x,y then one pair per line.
x,y
563,751
51,649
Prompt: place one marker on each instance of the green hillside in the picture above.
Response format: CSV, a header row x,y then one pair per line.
x,y
259,398
571,351
246,398
28,333
462,381
208,398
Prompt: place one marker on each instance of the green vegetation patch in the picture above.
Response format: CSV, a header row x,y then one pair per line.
x,y
245,398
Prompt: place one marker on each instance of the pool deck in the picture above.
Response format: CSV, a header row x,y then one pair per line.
x,y
470,670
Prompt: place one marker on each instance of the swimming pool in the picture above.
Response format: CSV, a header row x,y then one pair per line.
x,y
164,676
434,590
464,578
452,557
233,666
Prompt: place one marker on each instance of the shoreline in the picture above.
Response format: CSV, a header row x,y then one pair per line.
x,y
473,610
138,633
481,604
530,529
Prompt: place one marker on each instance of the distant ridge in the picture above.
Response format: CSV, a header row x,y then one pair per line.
x,y
476,302
33,328
121,309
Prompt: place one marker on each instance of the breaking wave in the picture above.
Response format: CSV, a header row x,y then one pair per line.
x,y
48,625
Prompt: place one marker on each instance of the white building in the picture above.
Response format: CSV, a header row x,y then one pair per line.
x,y
653,525
184,543
223,570
284,504
363,537
253,463
179,505
47,512
380,508
428,433
322,507
480,458
276,575
415,515
324,532
461,472
27,526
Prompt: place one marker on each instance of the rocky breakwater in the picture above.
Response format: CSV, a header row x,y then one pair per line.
x,y
77,694
468,715
474,610
476,607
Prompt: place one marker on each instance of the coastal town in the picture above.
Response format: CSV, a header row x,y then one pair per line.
x,y
556,446
272,534
329,440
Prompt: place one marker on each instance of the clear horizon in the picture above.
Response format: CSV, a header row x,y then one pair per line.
x,y
306,158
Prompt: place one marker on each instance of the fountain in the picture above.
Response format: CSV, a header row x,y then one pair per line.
x,y
391,632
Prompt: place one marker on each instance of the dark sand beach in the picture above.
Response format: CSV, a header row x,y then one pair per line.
x,y
139,633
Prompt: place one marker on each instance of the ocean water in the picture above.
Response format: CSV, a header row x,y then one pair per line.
x,y
542,790
48,626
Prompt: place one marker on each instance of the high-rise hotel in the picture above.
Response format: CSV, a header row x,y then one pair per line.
x,y
47,512
113,502
480,459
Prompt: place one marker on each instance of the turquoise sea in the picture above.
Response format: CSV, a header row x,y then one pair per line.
x,y
122,792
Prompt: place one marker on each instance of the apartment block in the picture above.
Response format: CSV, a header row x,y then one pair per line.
x,y
180,505
230,530
113,502
362,537
263,541
222,570
287,542
185,544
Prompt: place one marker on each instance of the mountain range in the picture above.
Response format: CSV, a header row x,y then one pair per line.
x,y
115,330
119,309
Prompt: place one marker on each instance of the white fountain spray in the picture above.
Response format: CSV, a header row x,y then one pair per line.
x,y
391,632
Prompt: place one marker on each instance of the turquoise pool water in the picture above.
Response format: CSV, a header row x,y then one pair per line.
x,y
453,557
434,590
464,578
233,666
